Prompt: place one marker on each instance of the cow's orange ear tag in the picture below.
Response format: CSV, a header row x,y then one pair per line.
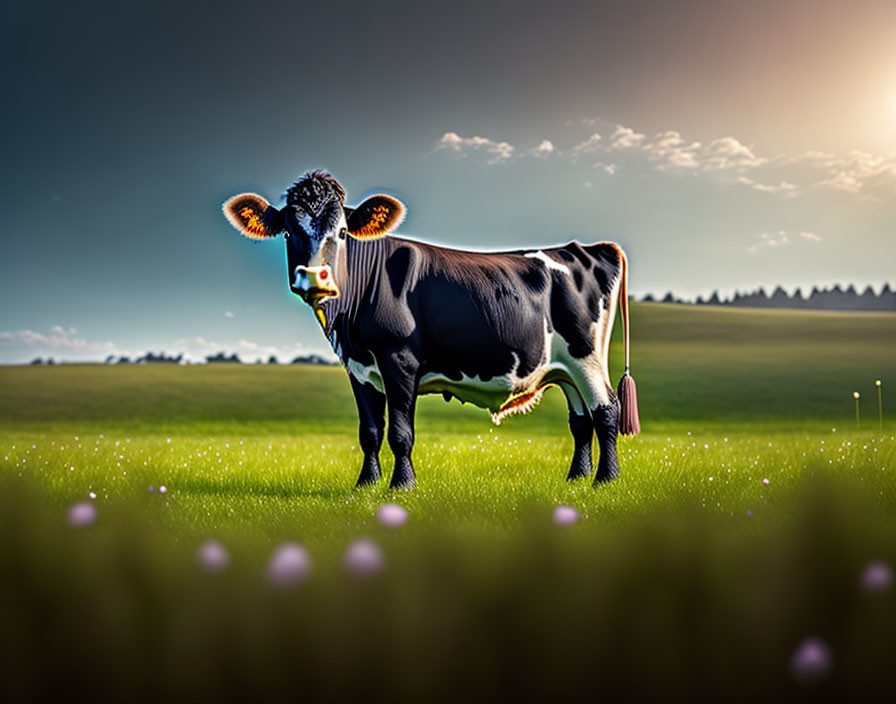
x,y
246,213
376,217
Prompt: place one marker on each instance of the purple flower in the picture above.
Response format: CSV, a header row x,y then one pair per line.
x,y
392,515
289,565
811,661
765,482
565,516
163,489
82,514
364,558
213,556
877,577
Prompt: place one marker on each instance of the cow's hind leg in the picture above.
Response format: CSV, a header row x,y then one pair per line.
x,y
582,428
606,426
372,423
590,380
400,380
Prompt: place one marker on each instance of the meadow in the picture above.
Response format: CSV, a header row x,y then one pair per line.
x,y
742,522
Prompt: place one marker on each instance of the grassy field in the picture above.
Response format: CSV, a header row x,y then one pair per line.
x,y
689,577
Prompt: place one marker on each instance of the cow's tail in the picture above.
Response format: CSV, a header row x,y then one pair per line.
x,y
629,422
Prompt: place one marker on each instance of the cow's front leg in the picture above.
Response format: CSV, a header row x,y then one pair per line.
x,y
399,371
372,423
606,427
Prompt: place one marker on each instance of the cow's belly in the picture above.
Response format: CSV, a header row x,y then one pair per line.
x,y
501,395
491,394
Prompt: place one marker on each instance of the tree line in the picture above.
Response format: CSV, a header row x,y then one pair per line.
x,y
834,298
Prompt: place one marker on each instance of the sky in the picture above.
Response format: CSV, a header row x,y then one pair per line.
x,y
724,145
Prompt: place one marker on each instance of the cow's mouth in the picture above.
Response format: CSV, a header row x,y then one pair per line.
x,y
313,296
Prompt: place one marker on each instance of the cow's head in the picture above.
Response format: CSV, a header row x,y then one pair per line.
x,y
315,222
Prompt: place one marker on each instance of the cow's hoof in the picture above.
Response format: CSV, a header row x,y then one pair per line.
x,y
367,478
604,477
577,473
404,484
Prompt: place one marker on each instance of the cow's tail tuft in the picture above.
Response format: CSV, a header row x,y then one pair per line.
x,y
629,422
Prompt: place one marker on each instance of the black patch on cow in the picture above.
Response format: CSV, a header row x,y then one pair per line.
x,y
606,264
594,304
397,267
577,277
571,318
576,249
565,256
535,277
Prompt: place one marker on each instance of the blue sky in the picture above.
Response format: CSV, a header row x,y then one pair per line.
x,y
724,145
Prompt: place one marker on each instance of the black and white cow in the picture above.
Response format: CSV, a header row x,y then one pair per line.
x,y
492,329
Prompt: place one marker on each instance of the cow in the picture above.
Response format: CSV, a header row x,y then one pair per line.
x,y
492,329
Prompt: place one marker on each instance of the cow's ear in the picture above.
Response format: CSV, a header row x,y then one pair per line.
x,y
375,217
253,216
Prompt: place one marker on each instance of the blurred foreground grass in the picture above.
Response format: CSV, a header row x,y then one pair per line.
x,y
688,578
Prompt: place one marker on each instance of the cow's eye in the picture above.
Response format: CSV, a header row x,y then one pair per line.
x,y
342,233
286,235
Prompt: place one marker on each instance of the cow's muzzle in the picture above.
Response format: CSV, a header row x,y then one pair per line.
x,y
314,283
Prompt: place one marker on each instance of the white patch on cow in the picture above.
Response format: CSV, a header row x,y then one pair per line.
x,y
496,391
365,374
304,220
590,375
548,262
329,242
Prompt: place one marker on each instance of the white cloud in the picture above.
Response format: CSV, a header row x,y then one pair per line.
x,y
63,344
780,239
453,142
669,151
589,146
726,159
543,150
782,187
228,314
860,171
625,138
728,153
842,181
57,338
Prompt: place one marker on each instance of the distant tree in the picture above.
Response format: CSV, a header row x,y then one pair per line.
x,y
312,359
669,298
221,358
714,299
36,362
779,298
272,360
648,298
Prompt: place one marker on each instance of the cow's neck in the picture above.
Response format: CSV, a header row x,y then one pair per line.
x,y
358,276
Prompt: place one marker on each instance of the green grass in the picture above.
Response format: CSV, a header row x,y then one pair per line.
x,y
686,578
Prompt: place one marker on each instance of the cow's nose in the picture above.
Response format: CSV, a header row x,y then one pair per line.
x,y
314,279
